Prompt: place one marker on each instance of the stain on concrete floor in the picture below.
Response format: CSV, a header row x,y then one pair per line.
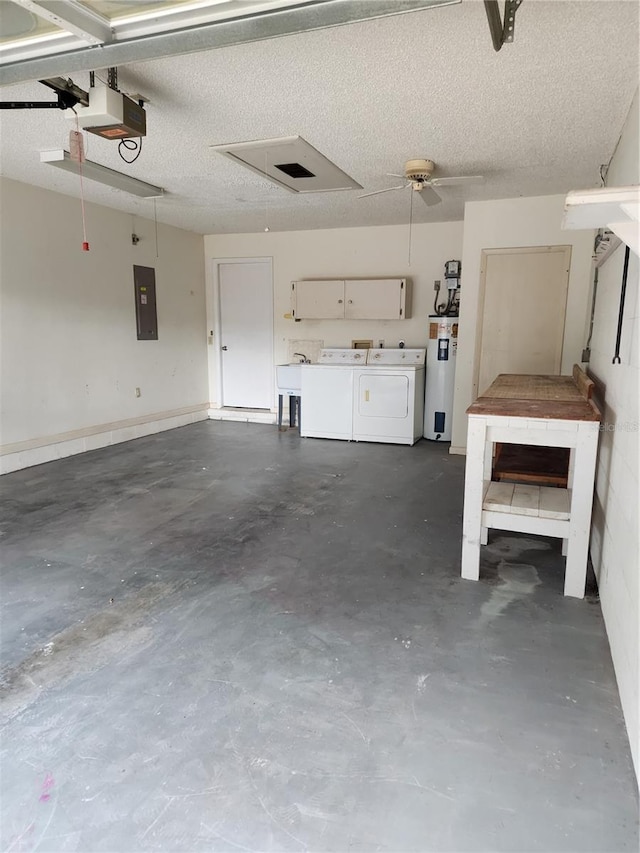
x,y
227,638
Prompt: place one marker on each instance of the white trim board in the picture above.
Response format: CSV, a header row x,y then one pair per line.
x,y
252,416
25,454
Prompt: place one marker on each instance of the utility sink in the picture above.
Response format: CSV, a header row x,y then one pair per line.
x,y
289,378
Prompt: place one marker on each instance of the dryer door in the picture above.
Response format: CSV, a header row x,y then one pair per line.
x,y
383,395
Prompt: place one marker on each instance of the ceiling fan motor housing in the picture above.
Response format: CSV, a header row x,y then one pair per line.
x,y
419,170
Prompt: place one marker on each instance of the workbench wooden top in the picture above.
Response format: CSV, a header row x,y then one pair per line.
x,y
522,395
523,386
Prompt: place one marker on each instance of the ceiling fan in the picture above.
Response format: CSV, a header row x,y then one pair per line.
x,y
418,175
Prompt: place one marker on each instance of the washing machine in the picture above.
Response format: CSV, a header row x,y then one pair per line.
x,y
327,392
388,396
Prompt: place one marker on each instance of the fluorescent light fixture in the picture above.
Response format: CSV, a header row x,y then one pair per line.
x,y
95,172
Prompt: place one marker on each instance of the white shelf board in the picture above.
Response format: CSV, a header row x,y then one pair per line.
x,y
616,208
534,501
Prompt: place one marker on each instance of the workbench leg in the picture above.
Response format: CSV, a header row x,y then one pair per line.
x,y
488,475
582,478
473,496
488,460
279,410
572,467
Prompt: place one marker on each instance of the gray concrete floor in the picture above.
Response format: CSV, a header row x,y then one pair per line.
x,y
226,638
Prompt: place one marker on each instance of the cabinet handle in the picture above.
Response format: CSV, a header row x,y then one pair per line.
x,y
339,301
350,301
366,396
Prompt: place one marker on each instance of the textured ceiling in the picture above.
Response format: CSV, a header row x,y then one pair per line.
x,y
539,117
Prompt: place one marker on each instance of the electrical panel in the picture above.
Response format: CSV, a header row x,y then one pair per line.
x,y
144,282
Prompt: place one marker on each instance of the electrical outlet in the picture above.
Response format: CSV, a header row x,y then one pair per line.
x,y
137,392
436,284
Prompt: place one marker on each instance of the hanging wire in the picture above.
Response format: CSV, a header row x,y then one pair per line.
x,y
155,219
266,198
410,222
604,168
130,145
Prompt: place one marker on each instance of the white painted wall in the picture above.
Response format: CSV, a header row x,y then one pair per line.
x,y
506,224
377,252
70,360
615,542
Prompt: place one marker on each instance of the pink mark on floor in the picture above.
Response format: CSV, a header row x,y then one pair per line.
x,y
47,785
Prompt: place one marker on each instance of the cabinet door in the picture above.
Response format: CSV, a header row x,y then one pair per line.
x,y
318,300
375,299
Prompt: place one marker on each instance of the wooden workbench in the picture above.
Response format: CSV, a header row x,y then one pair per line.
x,y
548,411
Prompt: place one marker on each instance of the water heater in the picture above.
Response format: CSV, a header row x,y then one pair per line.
x,y
441,368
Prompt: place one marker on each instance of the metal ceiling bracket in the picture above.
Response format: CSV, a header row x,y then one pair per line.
x,y
67,90
501,32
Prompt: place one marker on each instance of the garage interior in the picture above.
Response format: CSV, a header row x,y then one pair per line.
x,y
218,633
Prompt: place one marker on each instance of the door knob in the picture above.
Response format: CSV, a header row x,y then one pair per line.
x,y
224,348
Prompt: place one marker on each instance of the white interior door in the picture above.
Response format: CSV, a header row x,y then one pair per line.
x,y
525,298
246,334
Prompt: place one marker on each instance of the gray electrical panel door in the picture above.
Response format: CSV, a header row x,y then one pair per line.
x,y
144,282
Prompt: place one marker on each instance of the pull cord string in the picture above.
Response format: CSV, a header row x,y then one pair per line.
x,y
155,219
410,222
80,149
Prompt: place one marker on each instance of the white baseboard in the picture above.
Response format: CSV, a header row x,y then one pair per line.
x,y
459,451
25,454
252,416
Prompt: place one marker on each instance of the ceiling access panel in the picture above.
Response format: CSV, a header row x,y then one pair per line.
x,y
291,162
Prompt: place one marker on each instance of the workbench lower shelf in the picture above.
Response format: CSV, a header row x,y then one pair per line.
x,y
535,501
543,411
540,510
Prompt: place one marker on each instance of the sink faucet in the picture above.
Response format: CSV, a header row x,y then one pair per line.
x,y
305,360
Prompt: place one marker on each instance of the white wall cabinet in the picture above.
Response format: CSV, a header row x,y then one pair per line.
x,y
350,299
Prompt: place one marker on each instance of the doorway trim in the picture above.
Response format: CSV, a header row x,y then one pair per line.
x,y
214,324
484,255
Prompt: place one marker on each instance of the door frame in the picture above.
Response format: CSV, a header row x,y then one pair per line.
x,y
214,324
484,255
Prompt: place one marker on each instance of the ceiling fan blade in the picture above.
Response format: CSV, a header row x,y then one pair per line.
x,y
388,190
393,175
429,196
456,182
